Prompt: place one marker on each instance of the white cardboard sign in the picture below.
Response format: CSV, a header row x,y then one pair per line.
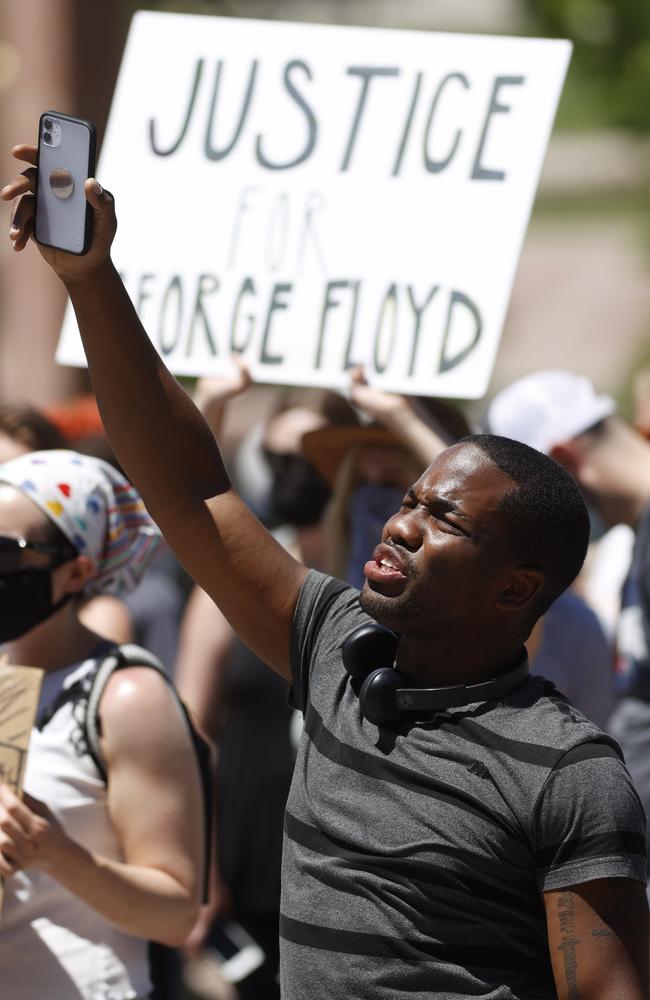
x,y
315,197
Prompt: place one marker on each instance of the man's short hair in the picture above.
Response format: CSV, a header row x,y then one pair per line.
x,y
543,519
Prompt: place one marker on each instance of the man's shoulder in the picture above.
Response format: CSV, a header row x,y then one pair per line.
x,y
326,613
327,603
539,714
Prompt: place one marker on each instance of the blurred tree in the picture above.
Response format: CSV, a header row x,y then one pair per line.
x,y
612,49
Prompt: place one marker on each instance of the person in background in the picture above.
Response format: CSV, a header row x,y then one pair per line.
x,y
23,428
149,615
92,867
570,648
239,703
560,413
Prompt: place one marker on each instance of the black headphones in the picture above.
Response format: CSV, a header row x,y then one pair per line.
x,y
385,698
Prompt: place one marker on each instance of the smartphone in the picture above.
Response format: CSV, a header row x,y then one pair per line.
x,y
66,157
237,954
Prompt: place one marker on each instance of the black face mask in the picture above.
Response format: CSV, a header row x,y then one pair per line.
x,y
26,601
298,494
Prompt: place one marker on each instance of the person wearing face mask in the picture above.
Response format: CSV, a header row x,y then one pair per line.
x,y
93,867
23,428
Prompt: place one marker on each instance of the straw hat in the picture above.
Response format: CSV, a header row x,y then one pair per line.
x,y
327,447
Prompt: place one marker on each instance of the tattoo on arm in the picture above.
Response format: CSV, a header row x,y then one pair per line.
x,y
567,918
603,932
600,928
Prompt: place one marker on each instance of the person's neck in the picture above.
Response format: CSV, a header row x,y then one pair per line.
x,y
436,662
57,642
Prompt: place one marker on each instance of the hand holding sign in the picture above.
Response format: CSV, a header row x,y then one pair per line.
x,y
398,415
30,836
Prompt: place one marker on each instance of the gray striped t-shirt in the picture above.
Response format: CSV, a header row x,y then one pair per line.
x,y
414,857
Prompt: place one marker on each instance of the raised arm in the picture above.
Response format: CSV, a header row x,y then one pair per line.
x,y
162,441
205,645
397,414
598,940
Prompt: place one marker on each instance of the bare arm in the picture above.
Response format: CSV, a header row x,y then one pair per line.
x,y
205,643
109,617
598,940
164,444
397,414
155,805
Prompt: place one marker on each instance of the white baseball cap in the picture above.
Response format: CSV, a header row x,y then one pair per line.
x,y
547,407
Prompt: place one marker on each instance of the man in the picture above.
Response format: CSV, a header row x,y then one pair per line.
x,y
559,413
496,851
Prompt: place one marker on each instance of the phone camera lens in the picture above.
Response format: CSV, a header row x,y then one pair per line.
x,y
47,137
47,123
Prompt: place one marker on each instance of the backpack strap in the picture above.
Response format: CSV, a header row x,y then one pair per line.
x,y
130,655
126,655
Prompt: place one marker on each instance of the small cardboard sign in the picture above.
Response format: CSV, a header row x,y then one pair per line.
x,y
314,197
20,689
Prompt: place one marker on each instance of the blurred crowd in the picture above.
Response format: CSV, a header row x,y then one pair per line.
x,y
325,471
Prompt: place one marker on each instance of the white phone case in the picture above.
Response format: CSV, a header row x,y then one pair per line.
x,y
66,154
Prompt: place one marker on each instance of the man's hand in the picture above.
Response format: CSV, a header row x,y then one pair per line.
x,y
384,407
69,267
218,389
30,837
396,413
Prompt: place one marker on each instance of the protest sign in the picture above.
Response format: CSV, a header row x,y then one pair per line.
x,y
314,197
19,693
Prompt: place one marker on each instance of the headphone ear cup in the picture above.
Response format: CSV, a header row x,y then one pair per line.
x,y
369,647
377,696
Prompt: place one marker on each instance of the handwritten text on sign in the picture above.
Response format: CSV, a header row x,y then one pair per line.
x,y
316,197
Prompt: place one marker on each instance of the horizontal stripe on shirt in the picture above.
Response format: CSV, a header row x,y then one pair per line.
x,y
424,875
380,769
613,842
402,949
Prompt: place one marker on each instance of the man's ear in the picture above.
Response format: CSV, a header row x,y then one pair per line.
x,y
522,588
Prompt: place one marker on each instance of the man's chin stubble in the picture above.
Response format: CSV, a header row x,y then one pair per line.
x,y
392,612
